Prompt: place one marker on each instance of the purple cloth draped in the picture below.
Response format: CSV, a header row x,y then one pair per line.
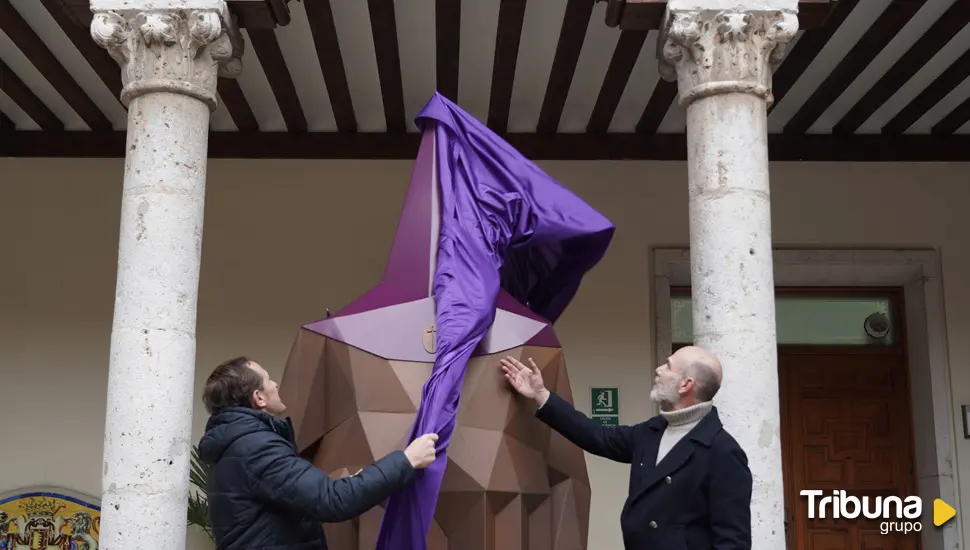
x,y
504,224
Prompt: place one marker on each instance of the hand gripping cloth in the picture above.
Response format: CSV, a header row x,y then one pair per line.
x,y
488,253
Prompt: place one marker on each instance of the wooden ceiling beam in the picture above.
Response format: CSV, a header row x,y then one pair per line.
x,y
260,14
447,32
372,146
660,101
24,37
570,46
233,98
511,14
383,26
271,59
889,24
815,14
324,32
624,58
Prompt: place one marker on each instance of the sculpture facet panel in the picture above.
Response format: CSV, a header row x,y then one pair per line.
x,y
356,383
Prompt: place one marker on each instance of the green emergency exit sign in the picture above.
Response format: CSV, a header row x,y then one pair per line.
x,y
605,401
605,405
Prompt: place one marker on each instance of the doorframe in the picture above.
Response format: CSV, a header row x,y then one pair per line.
x,y
918,273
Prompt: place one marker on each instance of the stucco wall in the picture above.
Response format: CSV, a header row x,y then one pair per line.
x,y
284,240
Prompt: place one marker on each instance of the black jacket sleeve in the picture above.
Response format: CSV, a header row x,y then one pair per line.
x,y
281,477
729,497
612,442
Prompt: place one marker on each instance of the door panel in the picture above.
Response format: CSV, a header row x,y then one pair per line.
x,y
846,426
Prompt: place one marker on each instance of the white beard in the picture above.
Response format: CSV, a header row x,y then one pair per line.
x,y
665,395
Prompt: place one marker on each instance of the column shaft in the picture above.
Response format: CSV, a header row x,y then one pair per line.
x,y
733,288
169,60
151,374
722,60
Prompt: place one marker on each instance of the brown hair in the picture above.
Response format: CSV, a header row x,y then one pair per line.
x,y
231,384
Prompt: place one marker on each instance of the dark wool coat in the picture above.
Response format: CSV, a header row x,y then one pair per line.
x,y
697,498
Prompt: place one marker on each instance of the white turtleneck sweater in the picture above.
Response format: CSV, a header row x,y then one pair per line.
x,y
679,423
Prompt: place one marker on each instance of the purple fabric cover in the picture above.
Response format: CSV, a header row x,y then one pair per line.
x,y
504,224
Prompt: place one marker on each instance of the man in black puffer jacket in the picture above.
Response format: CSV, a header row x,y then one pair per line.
x,y
262,495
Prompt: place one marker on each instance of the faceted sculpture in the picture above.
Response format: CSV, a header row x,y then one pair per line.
x,y
511,483
354,381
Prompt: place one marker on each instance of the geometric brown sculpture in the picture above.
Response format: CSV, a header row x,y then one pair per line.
x,y
353,381
511,483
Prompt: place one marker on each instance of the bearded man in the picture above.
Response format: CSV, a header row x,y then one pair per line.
x,y
690,485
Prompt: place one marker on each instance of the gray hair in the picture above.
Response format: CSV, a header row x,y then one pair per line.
x,y
706,383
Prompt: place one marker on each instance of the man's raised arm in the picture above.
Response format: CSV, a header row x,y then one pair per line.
x,y
612,442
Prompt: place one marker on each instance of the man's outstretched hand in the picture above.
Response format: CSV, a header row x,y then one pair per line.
x,y
421,452
525,380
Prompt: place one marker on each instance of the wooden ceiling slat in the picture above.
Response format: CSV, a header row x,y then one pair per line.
x,y
366,146
570,46
11,84
80,35
447,14
946,27
805,50
324,31
235,101
662,97
625,56
944,84
6,123
24,37
953,121
511,14
889,24
271,59
384,29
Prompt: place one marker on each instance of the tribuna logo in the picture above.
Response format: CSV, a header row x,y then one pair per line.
x,y
899,515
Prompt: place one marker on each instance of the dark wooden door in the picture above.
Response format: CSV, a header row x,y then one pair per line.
x,y
846,425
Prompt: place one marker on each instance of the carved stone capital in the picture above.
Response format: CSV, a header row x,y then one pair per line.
x,y
712,52
173,50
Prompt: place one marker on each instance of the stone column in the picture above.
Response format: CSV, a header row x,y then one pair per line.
x,y
722,59
170,52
